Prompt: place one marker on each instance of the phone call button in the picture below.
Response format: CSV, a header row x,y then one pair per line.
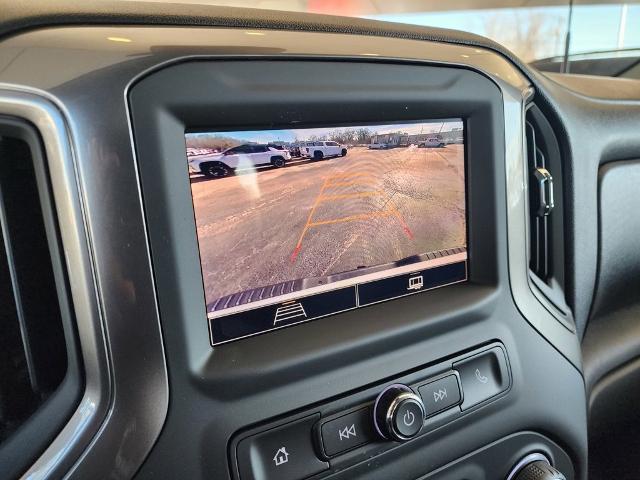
x,y
482,376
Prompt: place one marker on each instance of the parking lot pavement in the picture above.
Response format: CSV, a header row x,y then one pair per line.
x,y
315,218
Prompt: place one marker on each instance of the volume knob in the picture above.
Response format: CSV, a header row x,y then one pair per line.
x,y
398,413
535,466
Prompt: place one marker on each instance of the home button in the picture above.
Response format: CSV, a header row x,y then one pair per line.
x,y
283,453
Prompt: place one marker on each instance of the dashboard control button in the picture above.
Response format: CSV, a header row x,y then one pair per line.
x,y
398,413
441,394
482,376
408,417
347,432
282,453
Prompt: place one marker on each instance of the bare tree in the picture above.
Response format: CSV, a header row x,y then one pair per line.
x,y
211,141
363,135
529,34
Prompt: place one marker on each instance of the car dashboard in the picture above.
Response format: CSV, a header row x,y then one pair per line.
x,y
214,321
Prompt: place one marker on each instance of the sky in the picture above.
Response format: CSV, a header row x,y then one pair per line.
x,y
267,136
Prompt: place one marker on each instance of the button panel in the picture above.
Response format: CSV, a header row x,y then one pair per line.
x,y
282,453
347,432
342,432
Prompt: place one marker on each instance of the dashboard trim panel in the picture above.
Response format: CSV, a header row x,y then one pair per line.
x,y
86,420
91,419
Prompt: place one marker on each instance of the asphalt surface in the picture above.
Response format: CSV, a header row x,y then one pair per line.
x,y
316,218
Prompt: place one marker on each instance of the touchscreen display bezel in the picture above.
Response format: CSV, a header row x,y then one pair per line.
x,y
449,266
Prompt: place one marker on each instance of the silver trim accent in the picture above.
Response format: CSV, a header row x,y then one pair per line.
x,y
86,420
532,457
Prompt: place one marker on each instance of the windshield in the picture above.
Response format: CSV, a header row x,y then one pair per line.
x,y
534,33
604,37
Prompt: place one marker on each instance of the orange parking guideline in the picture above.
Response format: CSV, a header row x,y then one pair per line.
x,y
352,182
351,175
296,251
392,211
360,216
342,196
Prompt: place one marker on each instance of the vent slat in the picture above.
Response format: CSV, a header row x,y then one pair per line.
x,y
539,228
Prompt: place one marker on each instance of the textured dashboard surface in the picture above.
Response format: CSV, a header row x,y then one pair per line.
x,y
612,336
609,88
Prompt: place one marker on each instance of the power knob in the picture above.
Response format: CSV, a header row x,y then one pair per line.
x,y
398,413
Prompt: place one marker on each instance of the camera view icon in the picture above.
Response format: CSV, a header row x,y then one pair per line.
x,y
416,283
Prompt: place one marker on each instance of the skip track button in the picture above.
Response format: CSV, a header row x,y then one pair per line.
x,y
440,394
347,432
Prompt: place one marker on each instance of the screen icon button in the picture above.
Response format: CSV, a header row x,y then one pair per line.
x,y
416,282
288,311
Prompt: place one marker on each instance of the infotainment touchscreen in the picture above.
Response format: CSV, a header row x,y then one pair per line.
x,y
298,224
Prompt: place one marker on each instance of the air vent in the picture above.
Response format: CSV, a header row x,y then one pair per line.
x,y
541,204
36,344
546,235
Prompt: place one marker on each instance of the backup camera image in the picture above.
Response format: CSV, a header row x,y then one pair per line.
x,y
282,215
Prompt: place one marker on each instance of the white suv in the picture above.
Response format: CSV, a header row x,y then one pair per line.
x,y
239,158
320,150
433,142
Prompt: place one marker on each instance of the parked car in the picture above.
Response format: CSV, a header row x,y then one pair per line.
x,y
323,149
379,146
277,147
295,150
433,142
240,157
